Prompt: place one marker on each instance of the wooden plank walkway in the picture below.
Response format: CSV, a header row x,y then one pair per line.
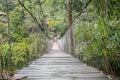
x,y
58,65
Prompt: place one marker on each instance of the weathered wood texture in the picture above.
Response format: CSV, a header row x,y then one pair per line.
x,y
58,65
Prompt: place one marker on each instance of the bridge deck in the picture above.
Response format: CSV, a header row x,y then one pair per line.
x,y
58,65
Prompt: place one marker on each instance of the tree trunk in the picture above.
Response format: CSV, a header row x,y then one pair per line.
x,y
69,25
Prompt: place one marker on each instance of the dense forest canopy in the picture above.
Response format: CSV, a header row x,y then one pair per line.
x,y
23,30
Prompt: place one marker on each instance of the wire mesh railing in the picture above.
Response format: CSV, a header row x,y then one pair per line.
x,y
96,41
65,41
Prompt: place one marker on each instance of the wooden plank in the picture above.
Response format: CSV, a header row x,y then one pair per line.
x,y
19,77
58,65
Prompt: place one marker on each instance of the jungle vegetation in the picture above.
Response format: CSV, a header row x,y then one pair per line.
x,y
96,31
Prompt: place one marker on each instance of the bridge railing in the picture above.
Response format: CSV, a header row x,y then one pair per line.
x,y
66,41
95,43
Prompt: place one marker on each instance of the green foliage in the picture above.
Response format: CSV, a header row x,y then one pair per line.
x,y
16,16
77,5
4,49
21,41
97,31
19,50
99,37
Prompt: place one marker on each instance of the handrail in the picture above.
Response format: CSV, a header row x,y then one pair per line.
x,y
95,42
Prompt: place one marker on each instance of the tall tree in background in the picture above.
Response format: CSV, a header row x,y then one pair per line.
x,y
69,25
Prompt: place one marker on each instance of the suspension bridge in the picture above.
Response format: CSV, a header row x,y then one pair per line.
x,y
58,65
88,48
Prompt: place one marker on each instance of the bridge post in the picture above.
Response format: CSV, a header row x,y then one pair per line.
x,y
69,25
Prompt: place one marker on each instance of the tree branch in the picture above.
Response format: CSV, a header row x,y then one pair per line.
x,y
30,14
